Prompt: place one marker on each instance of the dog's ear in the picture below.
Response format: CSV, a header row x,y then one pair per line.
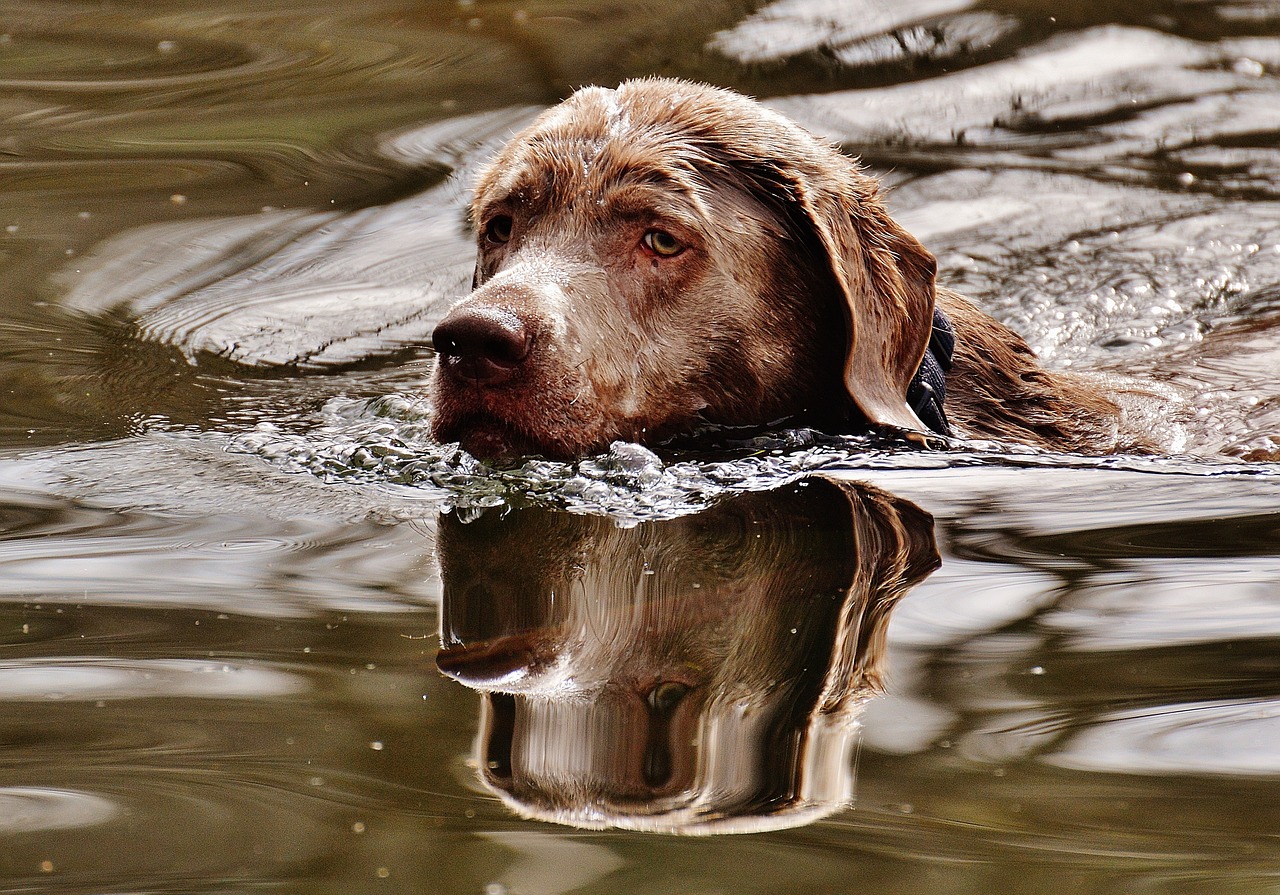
x,y
883,277
885,281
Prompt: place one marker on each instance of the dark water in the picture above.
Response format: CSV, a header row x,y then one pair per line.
x,y
241,651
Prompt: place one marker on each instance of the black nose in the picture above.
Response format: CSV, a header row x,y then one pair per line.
x,y
483,345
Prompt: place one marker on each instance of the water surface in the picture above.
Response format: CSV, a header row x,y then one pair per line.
x,y
241,649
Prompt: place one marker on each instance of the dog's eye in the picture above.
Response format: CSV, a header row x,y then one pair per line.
x,y
498,230
662,243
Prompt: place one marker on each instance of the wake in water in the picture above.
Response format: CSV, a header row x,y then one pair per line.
x,y
384,443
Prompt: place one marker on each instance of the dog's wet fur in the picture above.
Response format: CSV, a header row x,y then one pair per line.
x,y
666,255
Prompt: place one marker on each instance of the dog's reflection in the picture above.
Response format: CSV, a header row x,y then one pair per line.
x,y
698,675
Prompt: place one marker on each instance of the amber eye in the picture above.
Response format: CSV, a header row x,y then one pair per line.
x,y
662,243
498,230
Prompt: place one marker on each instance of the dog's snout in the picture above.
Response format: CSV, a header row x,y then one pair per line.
x,y
483,345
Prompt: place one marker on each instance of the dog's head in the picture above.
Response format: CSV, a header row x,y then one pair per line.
x,y
665,254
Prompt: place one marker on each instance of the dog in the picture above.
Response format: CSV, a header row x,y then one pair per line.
x,y
666,255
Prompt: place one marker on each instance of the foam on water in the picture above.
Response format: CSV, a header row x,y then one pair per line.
x,y
384,443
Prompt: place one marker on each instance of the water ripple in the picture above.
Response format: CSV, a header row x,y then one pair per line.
x,y
1227,737
97,678
385,442
72,61
26,809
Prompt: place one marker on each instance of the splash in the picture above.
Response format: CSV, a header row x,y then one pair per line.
x,y
384,443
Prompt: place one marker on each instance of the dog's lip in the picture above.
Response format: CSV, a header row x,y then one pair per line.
x,y
472,427
489,436
480,372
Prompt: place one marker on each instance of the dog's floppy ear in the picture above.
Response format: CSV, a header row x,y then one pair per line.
x,y
885,279
883,276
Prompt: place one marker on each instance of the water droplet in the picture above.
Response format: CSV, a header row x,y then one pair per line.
x,y
1250,68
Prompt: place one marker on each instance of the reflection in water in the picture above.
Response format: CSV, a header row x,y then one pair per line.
x,y
697,675
24,809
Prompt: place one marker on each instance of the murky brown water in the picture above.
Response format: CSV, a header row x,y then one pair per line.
x,y
239,650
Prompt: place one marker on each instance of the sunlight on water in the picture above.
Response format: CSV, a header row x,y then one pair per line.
x,y
28,809
1236,738
96,679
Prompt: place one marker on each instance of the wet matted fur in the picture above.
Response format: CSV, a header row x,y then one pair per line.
x,y
668,254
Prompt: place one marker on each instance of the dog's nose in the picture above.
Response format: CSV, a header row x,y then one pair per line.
x,y
483,345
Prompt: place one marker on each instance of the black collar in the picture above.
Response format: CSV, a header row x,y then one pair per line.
x,y
928,388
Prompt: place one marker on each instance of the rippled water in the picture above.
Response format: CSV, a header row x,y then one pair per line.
x,y
240,648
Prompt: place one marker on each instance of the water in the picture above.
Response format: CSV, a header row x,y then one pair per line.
x,y
241,649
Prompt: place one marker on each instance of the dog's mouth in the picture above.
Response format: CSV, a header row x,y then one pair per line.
x,y
497,440
486,437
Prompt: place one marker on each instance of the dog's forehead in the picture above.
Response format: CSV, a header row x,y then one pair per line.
x,y
600,137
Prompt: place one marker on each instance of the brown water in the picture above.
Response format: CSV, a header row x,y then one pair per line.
x,y
226,596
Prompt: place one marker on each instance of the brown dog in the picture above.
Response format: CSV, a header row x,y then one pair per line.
x,y
668,254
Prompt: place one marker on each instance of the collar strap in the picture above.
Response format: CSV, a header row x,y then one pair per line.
x,y
928,388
